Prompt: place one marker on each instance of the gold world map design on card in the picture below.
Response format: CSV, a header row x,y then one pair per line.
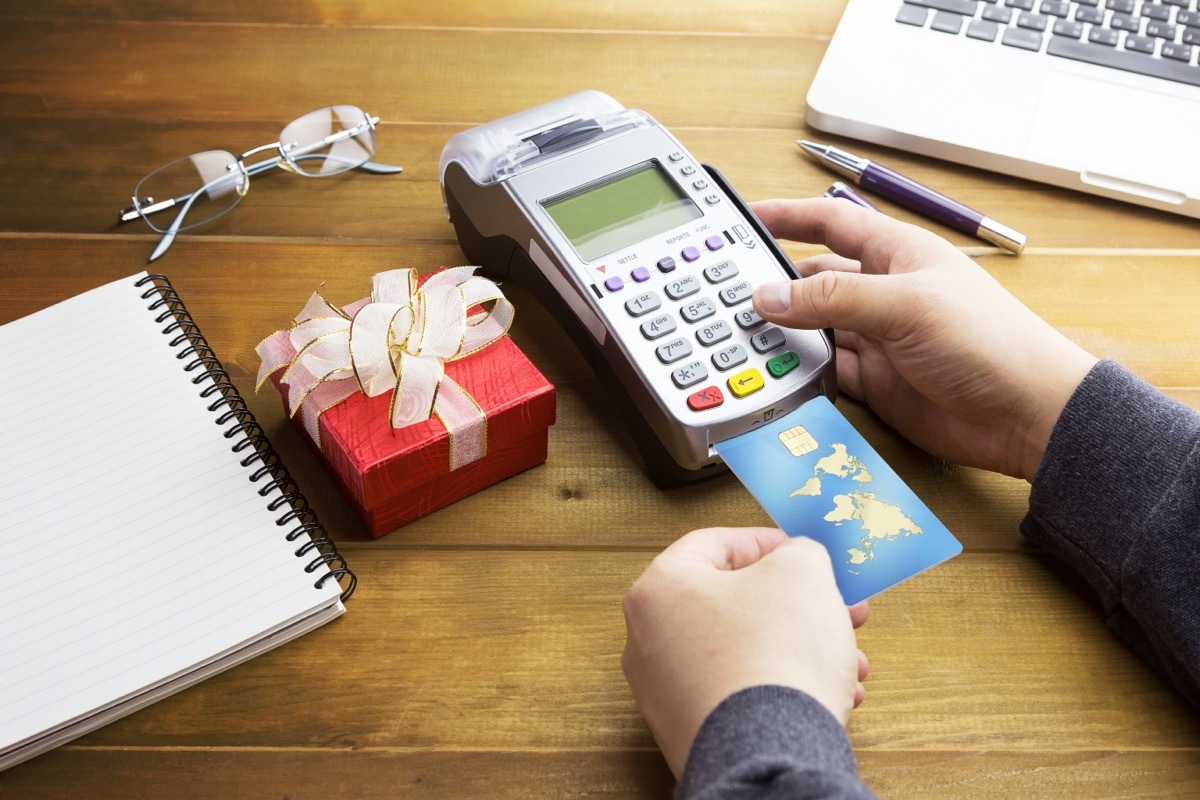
x,y
881,521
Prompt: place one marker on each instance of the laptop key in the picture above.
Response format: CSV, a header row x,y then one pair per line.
x,y
1160,29
912,15
1124,22
997,14
1024,5
1185,17
982,29
1055,8
1139,44
1034,22
1156,11
1191,35
1065,27
1179,52
946,22
1103,36
965,7
1024,39
1120,6
1092,16
1123,59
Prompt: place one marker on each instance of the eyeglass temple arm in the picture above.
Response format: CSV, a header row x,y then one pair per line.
x,y
169,236
130,213
262,166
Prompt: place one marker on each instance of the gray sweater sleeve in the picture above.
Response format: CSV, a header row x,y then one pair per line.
x,y
771,742
1117,497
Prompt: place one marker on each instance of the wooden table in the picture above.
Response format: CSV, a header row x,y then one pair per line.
x,y
480,656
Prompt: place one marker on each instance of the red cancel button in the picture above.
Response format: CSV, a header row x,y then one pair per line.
x,y
709,397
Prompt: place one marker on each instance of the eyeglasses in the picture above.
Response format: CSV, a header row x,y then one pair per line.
x,y
206,185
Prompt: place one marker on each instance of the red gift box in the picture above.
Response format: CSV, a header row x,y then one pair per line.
x,y
396,475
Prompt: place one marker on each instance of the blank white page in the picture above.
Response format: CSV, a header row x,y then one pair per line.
x,y
138,548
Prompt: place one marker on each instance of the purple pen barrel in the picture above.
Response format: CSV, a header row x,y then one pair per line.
x,y
909,193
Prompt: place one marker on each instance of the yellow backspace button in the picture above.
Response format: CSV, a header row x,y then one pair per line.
x,y
746,382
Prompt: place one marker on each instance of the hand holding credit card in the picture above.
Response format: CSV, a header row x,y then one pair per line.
x,y
817,477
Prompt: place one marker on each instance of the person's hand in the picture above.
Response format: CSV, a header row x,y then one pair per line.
x,y
724,609
935,346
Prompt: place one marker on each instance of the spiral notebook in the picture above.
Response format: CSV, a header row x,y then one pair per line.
x,y
153,536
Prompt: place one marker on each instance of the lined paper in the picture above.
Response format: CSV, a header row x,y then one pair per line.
x,y
140,552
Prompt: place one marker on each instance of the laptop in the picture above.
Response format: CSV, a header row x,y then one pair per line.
x,y
1102,96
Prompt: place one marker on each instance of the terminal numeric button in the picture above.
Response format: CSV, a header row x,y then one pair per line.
x,y
659,326
706,398
782,364
689,374
682,287
709,335
644,303
694,312
673,350
729,357
747,318
721,271
738,293
746,382
767,340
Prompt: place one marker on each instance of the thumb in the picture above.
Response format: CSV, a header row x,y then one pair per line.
x,y
848,301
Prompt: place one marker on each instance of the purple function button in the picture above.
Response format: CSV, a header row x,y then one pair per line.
x,y
714,243
690,254
614,284
640,274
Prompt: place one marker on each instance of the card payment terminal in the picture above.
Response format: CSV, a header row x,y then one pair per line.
x,y
648,259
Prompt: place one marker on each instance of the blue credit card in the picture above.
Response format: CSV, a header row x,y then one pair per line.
x,y
817,477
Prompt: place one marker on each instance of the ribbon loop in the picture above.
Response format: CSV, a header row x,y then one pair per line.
x,y
397,340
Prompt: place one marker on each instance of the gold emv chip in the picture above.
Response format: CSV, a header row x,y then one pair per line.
x,y
798,440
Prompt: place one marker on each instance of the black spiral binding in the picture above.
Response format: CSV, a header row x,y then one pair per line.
x,y
253,439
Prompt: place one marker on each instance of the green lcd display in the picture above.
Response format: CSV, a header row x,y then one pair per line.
x,y
621,210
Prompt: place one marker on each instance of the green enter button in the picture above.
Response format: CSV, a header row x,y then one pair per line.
x,y
782,364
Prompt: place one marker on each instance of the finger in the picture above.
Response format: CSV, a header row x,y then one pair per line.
x,y
870,304
849,373
845,228
859,613
724,548
860,694
864,666
826,262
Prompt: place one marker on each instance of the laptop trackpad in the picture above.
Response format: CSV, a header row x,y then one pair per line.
x,y
1117,137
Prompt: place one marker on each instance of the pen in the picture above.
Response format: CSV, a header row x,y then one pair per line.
x,y
841,190
913,195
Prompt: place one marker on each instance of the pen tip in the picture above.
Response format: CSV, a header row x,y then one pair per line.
x,y
812,148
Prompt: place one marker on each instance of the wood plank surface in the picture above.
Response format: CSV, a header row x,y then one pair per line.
x,y
480,656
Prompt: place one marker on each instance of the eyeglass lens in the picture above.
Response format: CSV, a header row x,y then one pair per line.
x,y
329,141
208,183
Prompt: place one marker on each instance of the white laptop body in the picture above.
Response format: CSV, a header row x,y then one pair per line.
x,y
1030,114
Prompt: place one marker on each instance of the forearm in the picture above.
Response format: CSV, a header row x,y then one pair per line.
x,y
771,742
1118,497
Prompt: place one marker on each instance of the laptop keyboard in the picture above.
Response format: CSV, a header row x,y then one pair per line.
x,y
1160,38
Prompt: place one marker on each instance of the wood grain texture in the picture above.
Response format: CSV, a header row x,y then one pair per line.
x,y
480,656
